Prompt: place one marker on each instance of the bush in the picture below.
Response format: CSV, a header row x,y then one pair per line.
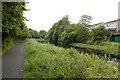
x,y
99,34
8,43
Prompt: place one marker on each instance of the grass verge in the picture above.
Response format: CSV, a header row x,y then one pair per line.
x,y
8,44
110,48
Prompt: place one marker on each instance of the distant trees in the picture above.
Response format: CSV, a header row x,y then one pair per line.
x,y
33,33
42,34
36,34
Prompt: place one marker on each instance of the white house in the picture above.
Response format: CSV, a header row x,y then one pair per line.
x,y
111,25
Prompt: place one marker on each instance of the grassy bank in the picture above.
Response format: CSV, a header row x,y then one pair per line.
x,y
8,44
109,47
48,61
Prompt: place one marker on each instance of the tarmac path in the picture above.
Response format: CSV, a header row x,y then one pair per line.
x,y
13,62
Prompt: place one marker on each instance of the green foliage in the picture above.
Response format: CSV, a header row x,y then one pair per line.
x,y
13,20
42,34
48,61
113,44
8,44
99,34
68,35
37,35
13,24
64,33
108,48
53,35
74,33
85,21
33,34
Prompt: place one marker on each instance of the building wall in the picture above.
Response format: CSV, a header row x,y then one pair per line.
x,y
111,25
119,15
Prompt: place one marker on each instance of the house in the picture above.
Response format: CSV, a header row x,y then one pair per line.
x,y
111,25
113,28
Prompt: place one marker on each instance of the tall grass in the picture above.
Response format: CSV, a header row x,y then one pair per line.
x,y
109,47
49,61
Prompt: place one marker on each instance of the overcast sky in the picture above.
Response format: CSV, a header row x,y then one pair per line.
x,y
44,13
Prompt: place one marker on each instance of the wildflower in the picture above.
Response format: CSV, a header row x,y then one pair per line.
x,y
114,68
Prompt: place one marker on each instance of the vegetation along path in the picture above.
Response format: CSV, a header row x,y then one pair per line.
x,y
13,61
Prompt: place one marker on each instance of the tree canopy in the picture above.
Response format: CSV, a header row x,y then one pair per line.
x,y
99,34
64,33
74,33
13,21
85,20
53,35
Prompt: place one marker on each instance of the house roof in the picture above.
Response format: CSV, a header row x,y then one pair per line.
x,y
98,24
106,22
113,21
116,33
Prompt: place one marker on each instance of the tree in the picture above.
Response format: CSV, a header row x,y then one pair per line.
x,y
85,21
54,33
42,34
68,36
74,33
33,33
13,24
99,34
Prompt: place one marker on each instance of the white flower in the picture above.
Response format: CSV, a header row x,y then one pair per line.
x,y
114,68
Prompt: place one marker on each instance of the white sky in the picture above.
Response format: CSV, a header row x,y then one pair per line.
x,y
44,13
